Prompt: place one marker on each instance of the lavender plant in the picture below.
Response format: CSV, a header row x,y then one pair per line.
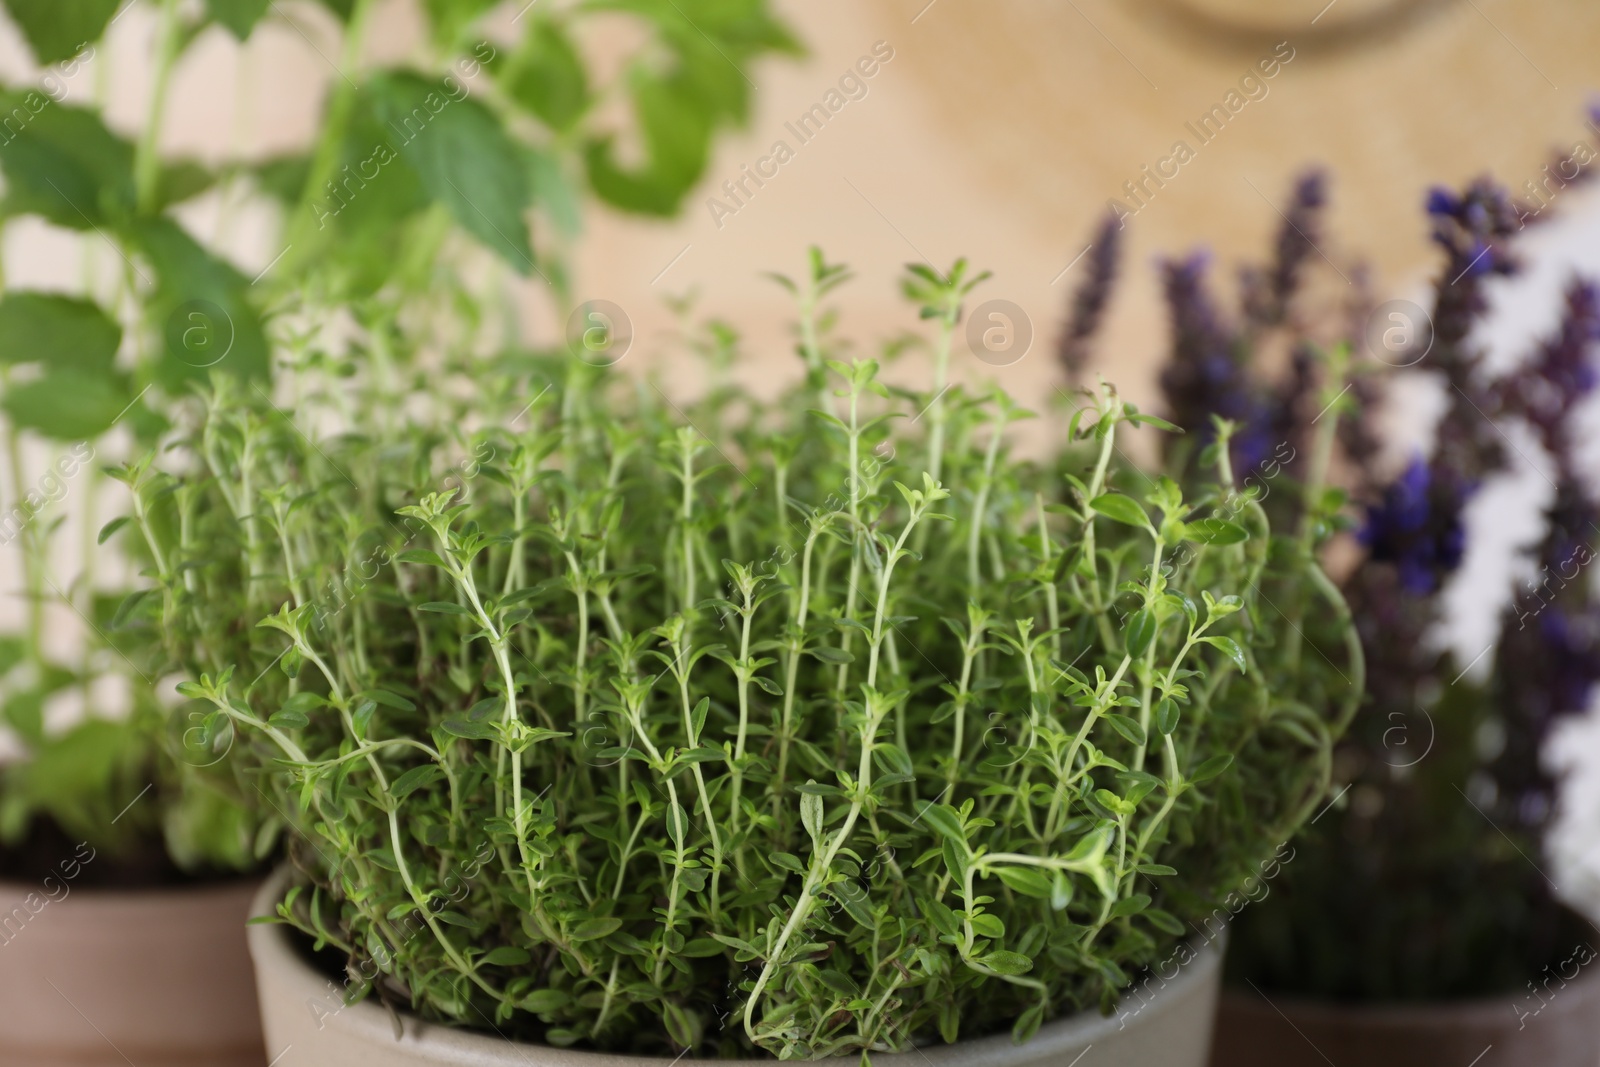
x,y
1421,885
604,732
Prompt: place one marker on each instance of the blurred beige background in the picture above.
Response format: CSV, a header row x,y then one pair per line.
x,y
999,130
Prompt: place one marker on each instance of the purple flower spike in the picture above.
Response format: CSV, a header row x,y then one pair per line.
x,y
1089,300
1416,527
1441,201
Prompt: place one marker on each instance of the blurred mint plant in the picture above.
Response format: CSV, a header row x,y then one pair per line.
x,y
613,734
478,136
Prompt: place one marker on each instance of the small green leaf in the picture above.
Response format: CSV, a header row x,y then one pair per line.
x,y
1060,891
1164,921
1156,870
1119,508
444,607
1167,715
595,929
811,814
1128,728
361,717
988,926
786,861
1029,881
414,779
304,702
1211,767
110,528
1028,1024
1009,963
387,699
1215,532
1130,905
477,731
420,555
855,902
545,1001
944,821
697,718
507,956
128,607
1229,648
289,720
703,948
1140,632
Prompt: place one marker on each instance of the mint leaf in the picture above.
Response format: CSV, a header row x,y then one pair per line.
x,y
59,331
58,29
462,156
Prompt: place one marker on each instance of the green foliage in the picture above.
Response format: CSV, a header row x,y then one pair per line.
x,y
71,344
402,156
57,29
81,779
491,154
239,16
463,159
679,104
57,331
107,782
550,80
613,733
64,165
66,404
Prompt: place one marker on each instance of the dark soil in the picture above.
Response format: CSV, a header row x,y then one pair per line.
x,y
47,851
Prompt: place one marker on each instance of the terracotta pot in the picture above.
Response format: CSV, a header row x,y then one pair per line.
x,y
105,978
306,1026
1559,1026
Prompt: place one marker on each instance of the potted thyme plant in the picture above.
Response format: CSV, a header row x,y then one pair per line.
x,y
125,839
1416,923
601,722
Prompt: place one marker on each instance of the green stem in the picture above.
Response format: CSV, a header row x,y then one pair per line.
x,y
146,160
325,158
31,547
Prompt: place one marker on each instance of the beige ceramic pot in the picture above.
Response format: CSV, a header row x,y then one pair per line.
x,y
1169,1025
1553,1023
107,978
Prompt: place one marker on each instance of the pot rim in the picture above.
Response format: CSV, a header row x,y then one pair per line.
x,y
273,953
